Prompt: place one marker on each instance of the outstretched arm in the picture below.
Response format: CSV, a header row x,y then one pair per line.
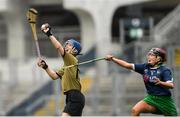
x,y
47,30
120,62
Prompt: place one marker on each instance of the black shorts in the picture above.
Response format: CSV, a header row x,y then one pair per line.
x,y
75,102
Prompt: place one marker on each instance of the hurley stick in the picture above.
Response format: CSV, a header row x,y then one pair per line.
x,y
32,18
85,62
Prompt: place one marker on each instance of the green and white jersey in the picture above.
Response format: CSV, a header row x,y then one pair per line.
x,y
70,80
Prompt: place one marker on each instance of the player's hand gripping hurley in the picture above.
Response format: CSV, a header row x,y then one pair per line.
x,y
32,17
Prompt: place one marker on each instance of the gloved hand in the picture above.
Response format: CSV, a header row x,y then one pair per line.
x,y
42,63
46,29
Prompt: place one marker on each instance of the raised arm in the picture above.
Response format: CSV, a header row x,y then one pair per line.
x,y
47,30
120,62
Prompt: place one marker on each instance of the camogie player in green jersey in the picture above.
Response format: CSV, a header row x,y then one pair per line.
x,y
158,81
70,81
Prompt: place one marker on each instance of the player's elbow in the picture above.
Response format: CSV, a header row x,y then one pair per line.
x,y
128,66
170,85
58,46
54,78
60,50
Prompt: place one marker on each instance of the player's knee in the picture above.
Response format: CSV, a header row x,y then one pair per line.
x,y
135,112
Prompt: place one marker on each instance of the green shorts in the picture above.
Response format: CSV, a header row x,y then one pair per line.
x,y
164,104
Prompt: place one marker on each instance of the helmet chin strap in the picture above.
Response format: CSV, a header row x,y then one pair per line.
x,y
157,63
150,65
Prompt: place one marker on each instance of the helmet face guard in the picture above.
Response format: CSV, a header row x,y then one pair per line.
x,y
158,52
76,46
